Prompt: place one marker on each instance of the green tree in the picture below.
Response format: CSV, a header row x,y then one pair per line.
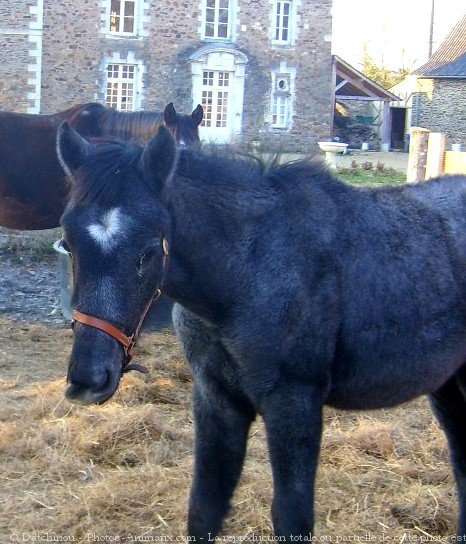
x,y
380,73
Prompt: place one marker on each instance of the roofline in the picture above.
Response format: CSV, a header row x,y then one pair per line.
x,y
453,44
389,96
439,77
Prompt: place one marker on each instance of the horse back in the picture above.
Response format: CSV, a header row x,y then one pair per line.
x,y
403,294
32,186
446,196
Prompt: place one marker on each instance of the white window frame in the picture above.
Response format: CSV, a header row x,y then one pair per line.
x,y
216,91
282,97
121,16
220,57
280,108
277,12
128,59
120,81
280,18
140,20
231,25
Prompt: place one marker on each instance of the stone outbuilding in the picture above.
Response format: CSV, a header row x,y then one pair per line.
x,y
434,95
262,69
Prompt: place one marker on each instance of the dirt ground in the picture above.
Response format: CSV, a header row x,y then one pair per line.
x,y
121,472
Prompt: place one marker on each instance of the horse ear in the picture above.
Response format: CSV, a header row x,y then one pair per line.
x,y
72,148
197,115
158,159
169,114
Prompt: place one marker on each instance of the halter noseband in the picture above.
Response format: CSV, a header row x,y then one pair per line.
x,y
127,342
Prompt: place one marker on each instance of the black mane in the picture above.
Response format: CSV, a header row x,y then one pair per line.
x,y
231,179
103,177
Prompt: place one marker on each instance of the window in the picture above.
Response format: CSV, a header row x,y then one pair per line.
x,y
121,86
218,72
122,17
281,97
282,21
214,98
280,111
218,19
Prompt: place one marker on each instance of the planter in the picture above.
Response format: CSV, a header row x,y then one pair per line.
x,y
332,149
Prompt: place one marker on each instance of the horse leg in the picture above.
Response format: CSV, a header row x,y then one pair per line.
x,y
293,421
221,430
449,406
222,417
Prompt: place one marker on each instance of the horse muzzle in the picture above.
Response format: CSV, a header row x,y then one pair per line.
x,y
95,366
79,394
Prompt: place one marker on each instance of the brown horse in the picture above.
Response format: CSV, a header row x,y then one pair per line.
x,y
33,189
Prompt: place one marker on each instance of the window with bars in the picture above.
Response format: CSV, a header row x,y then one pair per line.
x,y
122,18
214,98
217,19
121,86
282,21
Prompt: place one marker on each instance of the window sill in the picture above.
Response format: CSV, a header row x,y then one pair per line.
x,y
217,40
116,36
280,45
279,130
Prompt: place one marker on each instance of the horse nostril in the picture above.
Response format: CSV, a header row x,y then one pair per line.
x,y
91,378
91,385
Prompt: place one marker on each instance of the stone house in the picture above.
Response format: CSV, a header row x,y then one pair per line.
x,y
434,95
262,69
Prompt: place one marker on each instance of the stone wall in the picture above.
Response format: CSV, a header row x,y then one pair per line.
x,y
441,107
14,60
173,36
76,48
71,53
310,57
19,54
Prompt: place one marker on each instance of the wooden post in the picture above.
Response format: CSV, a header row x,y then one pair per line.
x,y
417,154
435,155
386,126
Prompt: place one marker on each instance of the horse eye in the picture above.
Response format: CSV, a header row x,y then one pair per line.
x,y
147,256
62,247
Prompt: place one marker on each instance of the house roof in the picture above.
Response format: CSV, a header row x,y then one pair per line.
x,y
449,61
351,84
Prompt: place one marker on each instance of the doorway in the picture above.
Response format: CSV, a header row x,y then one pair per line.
x,y
398,125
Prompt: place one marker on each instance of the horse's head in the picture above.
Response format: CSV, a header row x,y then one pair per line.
x,y
116,231
184,127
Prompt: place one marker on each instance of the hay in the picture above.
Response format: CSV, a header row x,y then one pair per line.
x,y
124,469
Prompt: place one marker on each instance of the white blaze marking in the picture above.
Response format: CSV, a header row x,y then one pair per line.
x,y
108,231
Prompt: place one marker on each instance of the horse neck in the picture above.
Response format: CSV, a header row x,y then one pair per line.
x,y
212,233
71,113
139,125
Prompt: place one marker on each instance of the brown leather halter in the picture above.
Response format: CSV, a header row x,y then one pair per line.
x,y
128,342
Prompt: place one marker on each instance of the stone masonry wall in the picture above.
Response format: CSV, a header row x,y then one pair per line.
x,y
310,56
15,47
70,62
442,108
173,36
14,60
75,49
